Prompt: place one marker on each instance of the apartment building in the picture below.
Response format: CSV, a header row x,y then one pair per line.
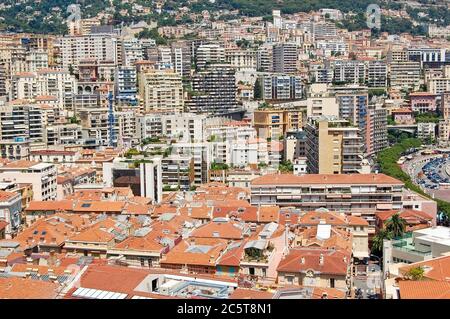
x,y
10,210
207,54
419,245
23,122
349,193
126,85
281,87
426,131
423,102
376,138
181,58
99,46
214,90
241,59
377,74
438,85
333,146
132,51
405,74
142,175
285,58
201,156
161,90
41,175
45,82
322,105
351,72
177,172
273,123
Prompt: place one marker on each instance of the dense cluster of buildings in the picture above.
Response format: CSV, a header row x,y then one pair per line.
x,y
236,163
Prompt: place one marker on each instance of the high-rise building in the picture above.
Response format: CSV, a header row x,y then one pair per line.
x,y
264,61
161,90
377,74
207,54
126,85
405,74
376,137
273,123
181,58
214,90
281,87
285,58
132,51
353,105
333,146
352,72
100,47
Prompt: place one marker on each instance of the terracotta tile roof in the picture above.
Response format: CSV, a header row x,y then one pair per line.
x,y
51,231
233,255
151,241
339,239
406,214
164,208
333,261
42,270
185,253
20,288
62,205
99,232
267,214
99,206
332,293
315,217
137,209
225,230
424,289
5,196
356,221
435,269
52,152
20,164
3,224
113,278
242,293
200,212
339,179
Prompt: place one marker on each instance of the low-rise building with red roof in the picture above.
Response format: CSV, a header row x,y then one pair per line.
x,y
317,267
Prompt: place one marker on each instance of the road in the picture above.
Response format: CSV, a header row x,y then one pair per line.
x,y
368,280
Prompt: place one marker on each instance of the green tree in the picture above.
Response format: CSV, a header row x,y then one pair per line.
x,y
257,90
396,225
415,273
377,241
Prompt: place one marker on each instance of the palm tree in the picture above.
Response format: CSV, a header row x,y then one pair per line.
x,y
377,241
396,225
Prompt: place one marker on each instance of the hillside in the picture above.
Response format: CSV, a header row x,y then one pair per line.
x,y
49,16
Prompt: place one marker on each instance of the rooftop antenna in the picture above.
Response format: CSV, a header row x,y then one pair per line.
x,y
111,119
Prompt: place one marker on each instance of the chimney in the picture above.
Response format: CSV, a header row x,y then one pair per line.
x,y
345,259
321,260
303,260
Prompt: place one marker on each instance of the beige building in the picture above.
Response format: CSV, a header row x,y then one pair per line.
x,y
273,123
333,147
405,74
316,267
161,91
